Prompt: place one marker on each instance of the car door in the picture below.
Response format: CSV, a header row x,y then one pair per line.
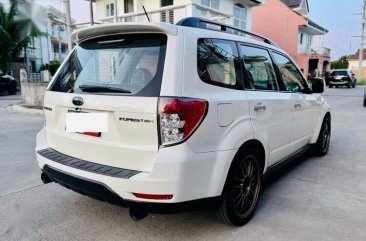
x,y
305,105
270,110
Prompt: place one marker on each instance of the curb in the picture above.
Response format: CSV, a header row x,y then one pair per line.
x,y
19,108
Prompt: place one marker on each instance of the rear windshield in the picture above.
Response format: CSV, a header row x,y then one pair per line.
x,y
339,72
120,64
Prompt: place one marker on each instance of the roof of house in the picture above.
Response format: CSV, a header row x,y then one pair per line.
x,y
315,25
356,55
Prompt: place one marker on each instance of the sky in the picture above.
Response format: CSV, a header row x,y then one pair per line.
x,y
338,17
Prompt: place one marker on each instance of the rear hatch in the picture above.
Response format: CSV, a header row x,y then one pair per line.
x,y
120,76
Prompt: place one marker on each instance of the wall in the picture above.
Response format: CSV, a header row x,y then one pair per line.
x,y
279,23
353,66
33,93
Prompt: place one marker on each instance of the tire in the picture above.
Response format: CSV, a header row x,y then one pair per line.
x,y
242,189
330,86
321,146
336,86
353,86
349,85
12,89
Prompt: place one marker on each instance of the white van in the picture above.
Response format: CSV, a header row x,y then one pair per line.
x,y
177,116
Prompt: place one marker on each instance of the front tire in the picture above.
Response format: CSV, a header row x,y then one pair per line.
x,y
321,146
242,189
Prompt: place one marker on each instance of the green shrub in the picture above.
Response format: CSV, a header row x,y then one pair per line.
x,y
53,66
361,82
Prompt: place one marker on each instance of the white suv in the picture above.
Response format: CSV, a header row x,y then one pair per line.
x,y
177,115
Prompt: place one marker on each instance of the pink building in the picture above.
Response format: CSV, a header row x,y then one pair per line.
x,y
287,24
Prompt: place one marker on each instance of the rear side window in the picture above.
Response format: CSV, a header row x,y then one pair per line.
x,y
259,68
291,76
121,64
218,63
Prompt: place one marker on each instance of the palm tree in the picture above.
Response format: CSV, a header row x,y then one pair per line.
x,y
16,32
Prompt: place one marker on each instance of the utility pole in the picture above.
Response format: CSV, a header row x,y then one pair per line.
x,y
360,57
91,12
68,24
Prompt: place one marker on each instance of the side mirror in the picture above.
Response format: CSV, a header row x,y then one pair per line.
x,y
317,85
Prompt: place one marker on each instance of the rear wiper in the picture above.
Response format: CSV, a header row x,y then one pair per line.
x,y
101,88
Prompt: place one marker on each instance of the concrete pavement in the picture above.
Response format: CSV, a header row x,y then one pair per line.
x,y
313,199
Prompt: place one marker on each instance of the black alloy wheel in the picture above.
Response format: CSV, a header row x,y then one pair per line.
x,y
242,189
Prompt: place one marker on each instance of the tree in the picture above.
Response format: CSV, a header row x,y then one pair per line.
x,y
341,63
16,32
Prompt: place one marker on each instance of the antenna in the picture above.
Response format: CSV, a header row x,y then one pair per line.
x,y
147,16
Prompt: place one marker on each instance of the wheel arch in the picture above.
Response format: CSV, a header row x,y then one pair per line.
x,y
249,144
319,125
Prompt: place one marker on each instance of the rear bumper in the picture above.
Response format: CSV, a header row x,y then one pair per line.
x,y
177,171
102,193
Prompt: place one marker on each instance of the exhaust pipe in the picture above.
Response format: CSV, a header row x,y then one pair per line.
x,y
137,214
45,179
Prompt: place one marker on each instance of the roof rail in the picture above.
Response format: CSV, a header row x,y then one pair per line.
x,y
196,22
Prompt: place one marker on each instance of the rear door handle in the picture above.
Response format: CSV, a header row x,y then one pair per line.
x,y
260,107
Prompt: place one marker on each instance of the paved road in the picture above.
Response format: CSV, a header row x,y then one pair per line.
x,y
314,199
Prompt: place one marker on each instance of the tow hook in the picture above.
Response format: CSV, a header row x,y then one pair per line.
x,y
137,214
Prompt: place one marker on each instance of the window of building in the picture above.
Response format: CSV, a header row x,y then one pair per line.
x,y
165,3
218,63
210,3
168,15
292,79
301,37
109,9
240,16
128,5
259,68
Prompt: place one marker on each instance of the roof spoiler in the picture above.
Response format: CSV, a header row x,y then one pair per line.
x,y
118,28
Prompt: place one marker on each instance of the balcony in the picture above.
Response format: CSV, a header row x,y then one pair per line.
x,y
172,14
321,51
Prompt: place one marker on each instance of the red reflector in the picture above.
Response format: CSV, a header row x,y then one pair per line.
x,y
153,196
95,134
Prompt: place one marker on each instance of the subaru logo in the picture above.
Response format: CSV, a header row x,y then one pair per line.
x,y
78,101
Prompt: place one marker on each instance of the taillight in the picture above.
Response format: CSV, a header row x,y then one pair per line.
x,y
179,118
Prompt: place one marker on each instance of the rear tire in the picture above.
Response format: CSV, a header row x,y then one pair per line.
x,y
242,189
336,86
321,146
330,86
12,89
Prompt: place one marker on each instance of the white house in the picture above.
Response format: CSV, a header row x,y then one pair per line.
x,y
234,12
42,50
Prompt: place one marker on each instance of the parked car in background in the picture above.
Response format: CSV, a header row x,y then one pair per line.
x,y
7,83
198,129
342,77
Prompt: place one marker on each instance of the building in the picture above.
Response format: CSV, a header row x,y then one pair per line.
x,y
286,23
42,50
233,12
353,63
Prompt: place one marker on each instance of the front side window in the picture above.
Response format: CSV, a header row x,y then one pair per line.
x,y
259,68
109,9
217,63
120,65
292,78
